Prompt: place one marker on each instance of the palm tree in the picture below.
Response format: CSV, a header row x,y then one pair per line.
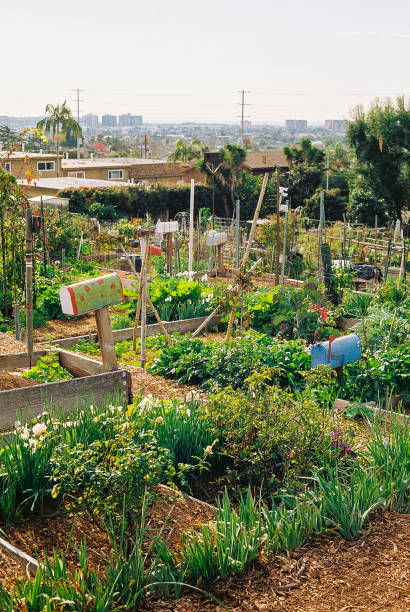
x,y
185,152
58,122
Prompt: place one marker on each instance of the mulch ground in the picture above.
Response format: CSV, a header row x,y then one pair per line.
x,y
8,381
169,516
369,574
53,330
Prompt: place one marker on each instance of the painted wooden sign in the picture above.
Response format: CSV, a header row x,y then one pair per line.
x,y
90,295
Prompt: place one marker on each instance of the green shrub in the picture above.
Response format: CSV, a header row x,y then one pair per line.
x,y
48,369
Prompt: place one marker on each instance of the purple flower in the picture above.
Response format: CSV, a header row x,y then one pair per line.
x,y
337,434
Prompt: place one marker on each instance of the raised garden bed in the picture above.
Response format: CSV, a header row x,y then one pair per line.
x,y
90,383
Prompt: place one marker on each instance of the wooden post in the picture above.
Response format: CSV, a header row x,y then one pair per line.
x,y
237,234
43,235
106,339
221,268
386,266
29,285
344,241
191,227
17,320
319,257
277,236
169,253
285,232
144,311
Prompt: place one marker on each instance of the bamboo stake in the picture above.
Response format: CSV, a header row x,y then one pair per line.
x,y
247,251
150,304
218,308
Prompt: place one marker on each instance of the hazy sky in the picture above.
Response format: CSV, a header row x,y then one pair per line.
x,y
184,60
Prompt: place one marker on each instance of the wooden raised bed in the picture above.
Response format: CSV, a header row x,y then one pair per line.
x,y
90,383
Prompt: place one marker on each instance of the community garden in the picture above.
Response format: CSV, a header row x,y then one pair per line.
x,y
240,473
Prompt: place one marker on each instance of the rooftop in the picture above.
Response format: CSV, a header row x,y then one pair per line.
x,y
265,160
68,182
105,162
4,154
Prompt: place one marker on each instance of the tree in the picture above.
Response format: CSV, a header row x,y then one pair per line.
x,y
58,122
306,170
381,142
364,205
228,174
7,136
185,152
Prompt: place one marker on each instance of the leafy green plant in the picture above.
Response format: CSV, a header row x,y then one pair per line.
x,y
48,369
349,502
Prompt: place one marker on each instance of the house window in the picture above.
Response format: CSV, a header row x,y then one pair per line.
x,y
45,166
115,174
80,174
7,167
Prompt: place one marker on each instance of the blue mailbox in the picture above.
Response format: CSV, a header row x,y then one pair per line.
x,y
342,350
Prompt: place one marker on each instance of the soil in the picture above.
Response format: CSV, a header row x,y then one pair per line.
x,y
158,386
54,330
369,574
8,381
9,345
170,516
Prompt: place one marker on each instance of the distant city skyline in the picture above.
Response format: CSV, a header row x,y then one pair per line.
x,y
312,61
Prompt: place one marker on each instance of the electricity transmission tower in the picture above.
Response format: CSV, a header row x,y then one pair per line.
x,y
242,105
77,100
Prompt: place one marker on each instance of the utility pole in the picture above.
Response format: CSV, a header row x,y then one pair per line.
x,y
145,146
327,172
242,105
277,237
77,100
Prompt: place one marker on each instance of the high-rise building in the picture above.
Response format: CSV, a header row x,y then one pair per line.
x,y
296,125
129,120
89,121
109,121
336,125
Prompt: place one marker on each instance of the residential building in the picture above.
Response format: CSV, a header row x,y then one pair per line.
x,y
129,120
18,163
109,121
259,162
52,186
135,169
296,125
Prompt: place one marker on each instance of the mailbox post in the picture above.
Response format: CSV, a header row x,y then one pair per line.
x,y
218,239
95,295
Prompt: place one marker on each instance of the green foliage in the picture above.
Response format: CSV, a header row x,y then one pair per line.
x,y
121,321
381,141
267,433
138,200
364,204
220,365
370,378
348,502
227,547
335,204
48,369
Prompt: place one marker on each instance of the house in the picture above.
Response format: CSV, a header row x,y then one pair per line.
x,y
259,162
51,186
135,169
19,162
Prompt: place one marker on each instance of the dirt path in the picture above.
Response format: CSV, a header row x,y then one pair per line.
x,y
369,574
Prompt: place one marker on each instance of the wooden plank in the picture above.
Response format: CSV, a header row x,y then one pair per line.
x,y
29,563
79,365
386,415
67,394
182,326
106,339
15,361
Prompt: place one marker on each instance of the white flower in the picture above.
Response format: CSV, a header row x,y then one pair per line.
x,y
208,450
168,299
159,420
39,429
204,278
188,412
25,434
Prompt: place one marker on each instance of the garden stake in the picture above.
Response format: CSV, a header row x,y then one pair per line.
x,y
246,254
150,304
